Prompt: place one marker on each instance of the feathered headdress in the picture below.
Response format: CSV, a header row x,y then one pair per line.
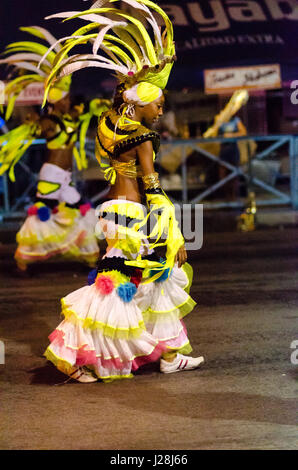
x,y
129,50
25,56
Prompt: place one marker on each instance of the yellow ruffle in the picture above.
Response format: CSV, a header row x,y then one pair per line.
x,y
68,214
61,364
188,271
185,308
107,330
66,368
185,349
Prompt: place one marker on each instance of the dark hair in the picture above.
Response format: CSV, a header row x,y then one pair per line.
x,y
118,96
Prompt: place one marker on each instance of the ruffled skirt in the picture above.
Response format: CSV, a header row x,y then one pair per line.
x,y
62,231
117,323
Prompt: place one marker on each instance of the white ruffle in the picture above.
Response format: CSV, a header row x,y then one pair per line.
x,y
87,303
165,295
60,234
106,348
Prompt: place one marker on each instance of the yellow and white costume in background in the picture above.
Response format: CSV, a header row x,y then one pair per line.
x,y
59,223
131,312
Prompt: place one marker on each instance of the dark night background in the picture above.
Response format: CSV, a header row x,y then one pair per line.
x,y
188,71
16,13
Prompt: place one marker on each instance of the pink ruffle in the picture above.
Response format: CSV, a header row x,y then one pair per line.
x,y
85,357
154,356
58,337
179,341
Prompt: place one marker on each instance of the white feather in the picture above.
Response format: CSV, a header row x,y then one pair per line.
x,y
111,54
99,3
91,17
52,47
29,66
48,36
103,31
75,57
69,69
23,56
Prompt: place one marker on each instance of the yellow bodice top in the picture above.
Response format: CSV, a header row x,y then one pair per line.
x,y
116,135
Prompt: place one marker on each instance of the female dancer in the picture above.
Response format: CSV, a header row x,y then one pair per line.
x,y
59,222
131,312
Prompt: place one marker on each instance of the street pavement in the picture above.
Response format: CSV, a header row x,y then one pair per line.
x,y
244,396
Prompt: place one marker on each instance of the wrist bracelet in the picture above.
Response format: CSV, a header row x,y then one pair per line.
x,y
151,181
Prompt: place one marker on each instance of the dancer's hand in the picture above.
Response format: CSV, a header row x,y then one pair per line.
x,y
181,256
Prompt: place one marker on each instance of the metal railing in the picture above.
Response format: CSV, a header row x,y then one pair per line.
x,y
267,194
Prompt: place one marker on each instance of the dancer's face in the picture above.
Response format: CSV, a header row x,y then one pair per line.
x,y
150,113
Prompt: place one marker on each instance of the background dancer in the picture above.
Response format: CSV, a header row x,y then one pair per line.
x,y
60,222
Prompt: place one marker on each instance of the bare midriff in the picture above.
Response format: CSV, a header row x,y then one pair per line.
x,y
125,187
61,157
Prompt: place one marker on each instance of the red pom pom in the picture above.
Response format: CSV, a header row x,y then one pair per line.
x,y
84,208
145,66
32,210
137,277
55,210
135,281
104,284
130,73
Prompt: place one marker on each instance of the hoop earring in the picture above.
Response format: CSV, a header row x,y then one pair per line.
x,y
130,110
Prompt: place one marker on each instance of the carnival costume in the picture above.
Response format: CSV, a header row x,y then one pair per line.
x,y
131,311
59,222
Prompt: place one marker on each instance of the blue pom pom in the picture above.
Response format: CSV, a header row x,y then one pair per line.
x,y
44,213
165,275
92,276
126,291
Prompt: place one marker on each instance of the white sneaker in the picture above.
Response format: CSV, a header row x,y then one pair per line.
x,y
82,375
180,363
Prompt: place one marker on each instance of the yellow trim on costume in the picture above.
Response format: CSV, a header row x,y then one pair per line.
x,y
185,307
46,187
33,240
171,337
64,366
108,330
63,211
185,349
188,271
108,358
166,224
128,209
110,378
45,253
61,364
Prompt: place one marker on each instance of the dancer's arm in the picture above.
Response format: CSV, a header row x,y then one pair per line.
x,y
145,156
